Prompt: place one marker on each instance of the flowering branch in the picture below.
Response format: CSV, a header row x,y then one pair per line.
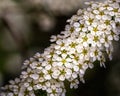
x,y
87,38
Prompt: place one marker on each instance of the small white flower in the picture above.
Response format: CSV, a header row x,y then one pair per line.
x,y
29,88
55,73
49,90
26,84
74,75
62,77
76,24
48,67
47,77
76,68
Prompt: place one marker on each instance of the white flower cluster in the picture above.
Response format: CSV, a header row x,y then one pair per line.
x,y
88,38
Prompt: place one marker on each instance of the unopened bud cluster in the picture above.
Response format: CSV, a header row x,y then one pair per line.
x,y
87,38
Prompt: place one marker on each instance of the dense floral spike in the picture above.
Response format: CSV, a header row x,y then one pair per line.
x,y
86,39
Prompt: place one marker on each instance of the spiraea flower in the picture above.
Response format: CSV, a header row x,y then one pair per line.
x,y
87,38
